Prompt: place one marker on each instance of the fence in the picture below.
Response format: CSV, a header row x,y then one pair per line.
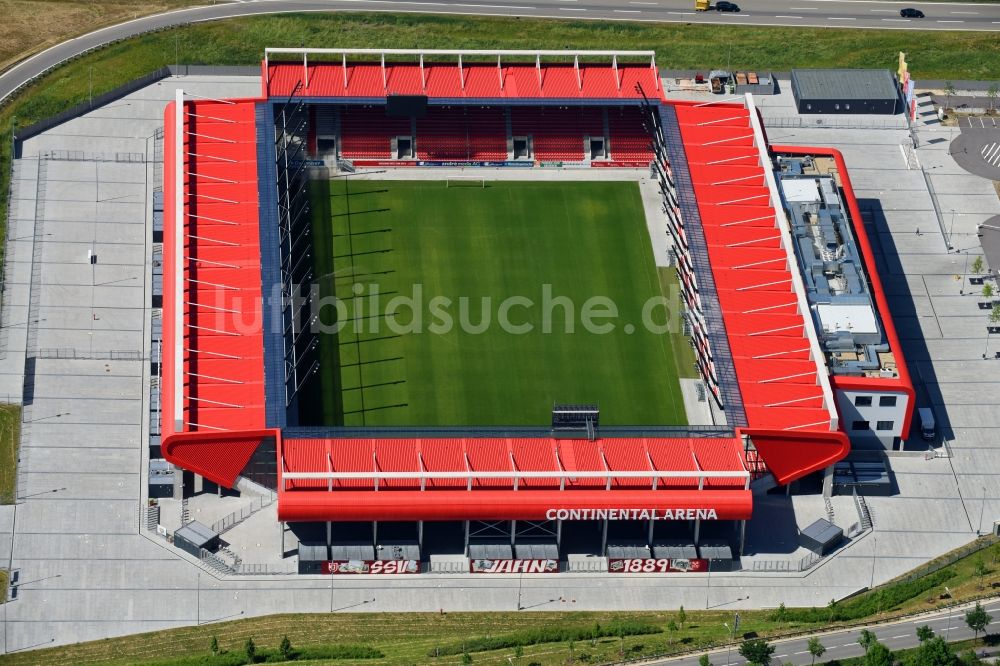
x,y
952,557
237,517
84,156
68,353
799,123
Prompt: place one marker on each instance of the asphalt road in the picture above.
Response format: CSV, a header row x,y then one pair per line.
x,y
822,13
843,644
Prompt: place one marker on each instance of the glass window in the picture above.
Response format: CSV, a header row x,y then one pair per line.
x,y
887,401
860,425
862,401
884,425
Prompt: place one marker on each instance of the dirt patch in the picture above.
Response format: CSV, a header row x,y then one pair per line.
x,y
30,26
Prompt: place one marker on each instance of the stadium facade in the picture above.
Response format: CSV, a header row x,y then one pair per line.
x,y
786,310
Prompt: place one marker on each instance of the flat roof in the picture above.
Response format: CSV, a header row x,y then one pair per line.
x,y
844,84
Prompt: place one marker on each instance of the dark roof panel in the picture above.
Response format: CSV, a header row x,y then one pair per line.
x,y
843,84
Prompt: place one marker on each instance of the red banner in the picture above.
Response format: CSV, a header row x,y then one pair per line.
x,y
371,567
661,565
514,566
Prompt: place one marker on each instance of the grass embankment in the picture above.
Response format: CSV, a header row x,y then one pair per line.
x,y
454,353
30,26
931,54
549,639
10,429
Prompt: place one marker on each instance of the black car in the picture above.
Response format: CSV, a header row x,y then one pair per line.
x,y
727,7
910,12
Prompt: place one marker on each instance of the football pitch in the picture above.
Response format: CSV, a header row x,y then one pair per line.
x,y
455,302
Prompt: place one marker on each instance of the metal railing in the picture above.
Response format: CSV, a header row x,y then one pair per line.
x,y
799,122
236,517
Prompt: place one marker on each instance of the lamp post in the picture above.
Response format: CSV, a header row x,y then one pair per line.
x,y
871,585
729,645
982,510
947,631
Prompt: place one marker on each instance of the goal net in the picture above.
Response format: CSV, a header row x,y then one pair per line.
x,y
465,181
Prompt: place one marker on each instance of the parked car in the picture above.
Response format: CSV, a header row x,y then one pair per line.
x,y
910,12
727,7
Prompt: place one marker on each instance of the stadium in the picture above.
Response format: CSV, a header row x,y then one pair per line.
x,y
515,451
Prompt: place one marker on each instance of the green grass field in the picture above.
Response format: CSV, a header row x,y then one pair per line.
x,y
508,239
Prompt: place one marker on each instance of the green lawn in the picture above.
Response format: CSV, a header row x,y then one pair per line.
x,y
10,428
483,246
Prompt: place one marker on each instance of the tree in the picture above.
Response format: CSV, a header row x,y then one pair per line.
x,y
681,616
781,615
949,90
816,649
981,570
995,314
988,293
867,639
466,658
924,633
977,619
934,652
703,660
877,655
672,628
251,651
992,93
757,651
285,648
977,265
214,646
518,652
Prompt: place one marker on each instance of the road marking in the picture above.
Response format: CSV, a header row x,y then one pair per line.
x,y
951,21
493,6
803,9
803,652
991,154
788,17
840,18
900,636
964,12
898,20
572,9
682,13
627,11
887,11
779,656
642,3
849,644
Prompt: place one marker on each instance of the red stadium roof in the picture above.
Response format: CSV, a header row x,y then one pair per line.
x,y
781,378
508,478
213,368
508,81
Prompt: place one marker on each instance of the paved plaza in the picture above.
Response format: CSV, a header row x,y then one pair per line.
x,y
88,567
